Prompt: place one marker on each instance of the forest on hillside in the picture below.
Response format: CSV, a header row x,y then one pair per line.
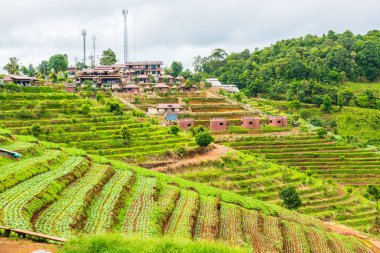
x,y
311,69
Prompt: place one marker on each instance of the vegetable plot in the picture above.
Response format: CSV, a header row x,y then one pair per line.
x,y
182,219
230,227
137,216
294,238
208,219
59,218
13,201
101,214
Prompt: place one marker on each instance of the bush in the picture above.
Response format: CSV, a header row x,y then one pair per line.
x,y
36,130
322,132
85,109
203,139
174,130
290,198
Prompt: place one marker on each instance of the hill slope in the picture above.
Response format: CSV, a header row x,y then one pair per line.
x,y
56,191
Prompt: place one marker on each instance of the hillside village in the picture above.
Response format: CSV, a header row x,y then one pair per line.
x,y
273,149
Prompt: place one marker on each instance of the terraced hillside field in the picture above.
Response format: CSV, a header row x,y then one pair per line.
x,y
202,108
329,159
58,193
62,119
250,176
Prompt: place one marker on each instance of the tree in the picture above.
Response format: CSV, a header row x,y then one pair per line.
x,y
80,65
327,104
85,109
290,198
43,69
203,139
32,70
373,192
108,58
174,130
294,105
125,134
177,68
58,63
13,66
36,130
322,132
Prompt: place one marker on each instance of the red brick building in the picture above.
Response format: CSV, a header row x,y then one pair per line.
x,y
70,87
218,124
278,121
185,124
250,122
184,88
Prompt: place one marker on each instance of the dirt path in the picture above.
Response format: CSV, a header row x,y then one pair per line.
x,y
212,155
25,246
347,231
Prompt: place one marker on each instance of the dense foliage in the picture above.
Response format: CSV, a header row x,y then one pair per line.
x,y
305,68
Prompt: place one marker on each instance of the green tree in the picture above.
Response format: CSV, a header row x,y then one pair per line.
x,y
203,139
43,69
125,134
294,105
108,58
174,130
322,132
373,192
12,67
177,68
36,130
85,109
290,198
327,105
58,63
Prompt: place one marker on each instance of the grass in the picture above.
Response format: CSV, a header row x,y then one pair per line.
x,y
119,243
359,87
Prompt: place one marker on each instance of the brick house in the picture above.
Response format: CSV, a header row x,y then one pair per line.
x,y
70,87
218,124
161,87
170,79
185,124
278,121
184,88
250,122
131,89
162,109
20,80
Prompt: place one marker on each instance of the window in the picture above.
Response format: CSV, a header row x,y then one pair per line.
x,y
270,121
279,121
221,124
189,125
250,122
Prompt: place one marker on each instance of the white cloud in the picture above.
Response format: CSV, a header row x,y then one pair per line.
x,y
170,29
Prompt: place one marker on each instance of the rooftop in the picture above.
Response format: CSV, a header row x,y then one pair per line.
x,y
161,85
167,106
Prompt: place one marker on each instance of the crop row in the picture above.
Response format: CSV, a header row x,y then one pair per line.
x,y
13,201
207,224
59,217
139,212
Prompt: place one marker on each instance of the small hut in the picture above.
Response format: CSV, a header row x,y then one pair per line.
x,y
185,124
278,121
218,124
250,122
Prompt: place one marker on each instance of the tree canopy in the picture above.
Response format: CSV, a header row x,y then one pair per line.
x,y
303,69
108,57
58,63
13,67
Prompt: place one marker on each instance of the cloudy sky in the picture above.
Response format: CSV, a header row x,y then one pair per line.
x,y
170,30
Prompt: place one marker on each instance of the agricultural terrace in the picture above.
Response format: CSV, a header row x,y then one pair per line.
x,y
74,121
249,175
205,106
63,192
352,123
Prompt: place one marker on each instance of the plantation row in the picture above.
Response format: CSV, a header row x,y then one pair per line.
x,y
326,158
74,194
63,118
249,176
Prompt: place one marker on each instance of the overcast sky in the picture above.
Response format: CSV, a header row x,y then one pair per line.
x,y
170,30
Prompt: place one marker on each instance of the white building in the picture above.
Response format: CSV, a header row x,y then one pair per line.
x,y
214,82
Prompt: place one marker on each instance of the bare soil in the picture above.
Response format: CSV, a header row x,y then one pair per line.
x,y
212,155
373,243
25,246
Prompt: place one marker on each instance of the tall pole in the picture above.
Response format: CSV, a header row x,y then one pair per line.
x,y
125,14
84,33
93,44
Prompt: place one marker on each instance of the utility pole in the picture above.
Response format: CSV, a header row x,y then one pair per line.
x,y
125,14
93,45
84,33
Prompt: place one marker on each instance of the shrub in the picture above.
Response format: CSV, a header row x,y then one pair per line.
x,y
290,198
174,130
203,139
322,132
85,109
36,130
125,134
196,130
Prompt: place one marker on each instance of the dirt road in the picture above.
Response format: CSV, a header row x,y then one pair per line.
x,y
25,246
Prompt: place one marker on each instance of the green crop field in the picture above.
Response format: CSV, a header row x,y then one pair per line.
x,y
324,191
64,194
62,121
